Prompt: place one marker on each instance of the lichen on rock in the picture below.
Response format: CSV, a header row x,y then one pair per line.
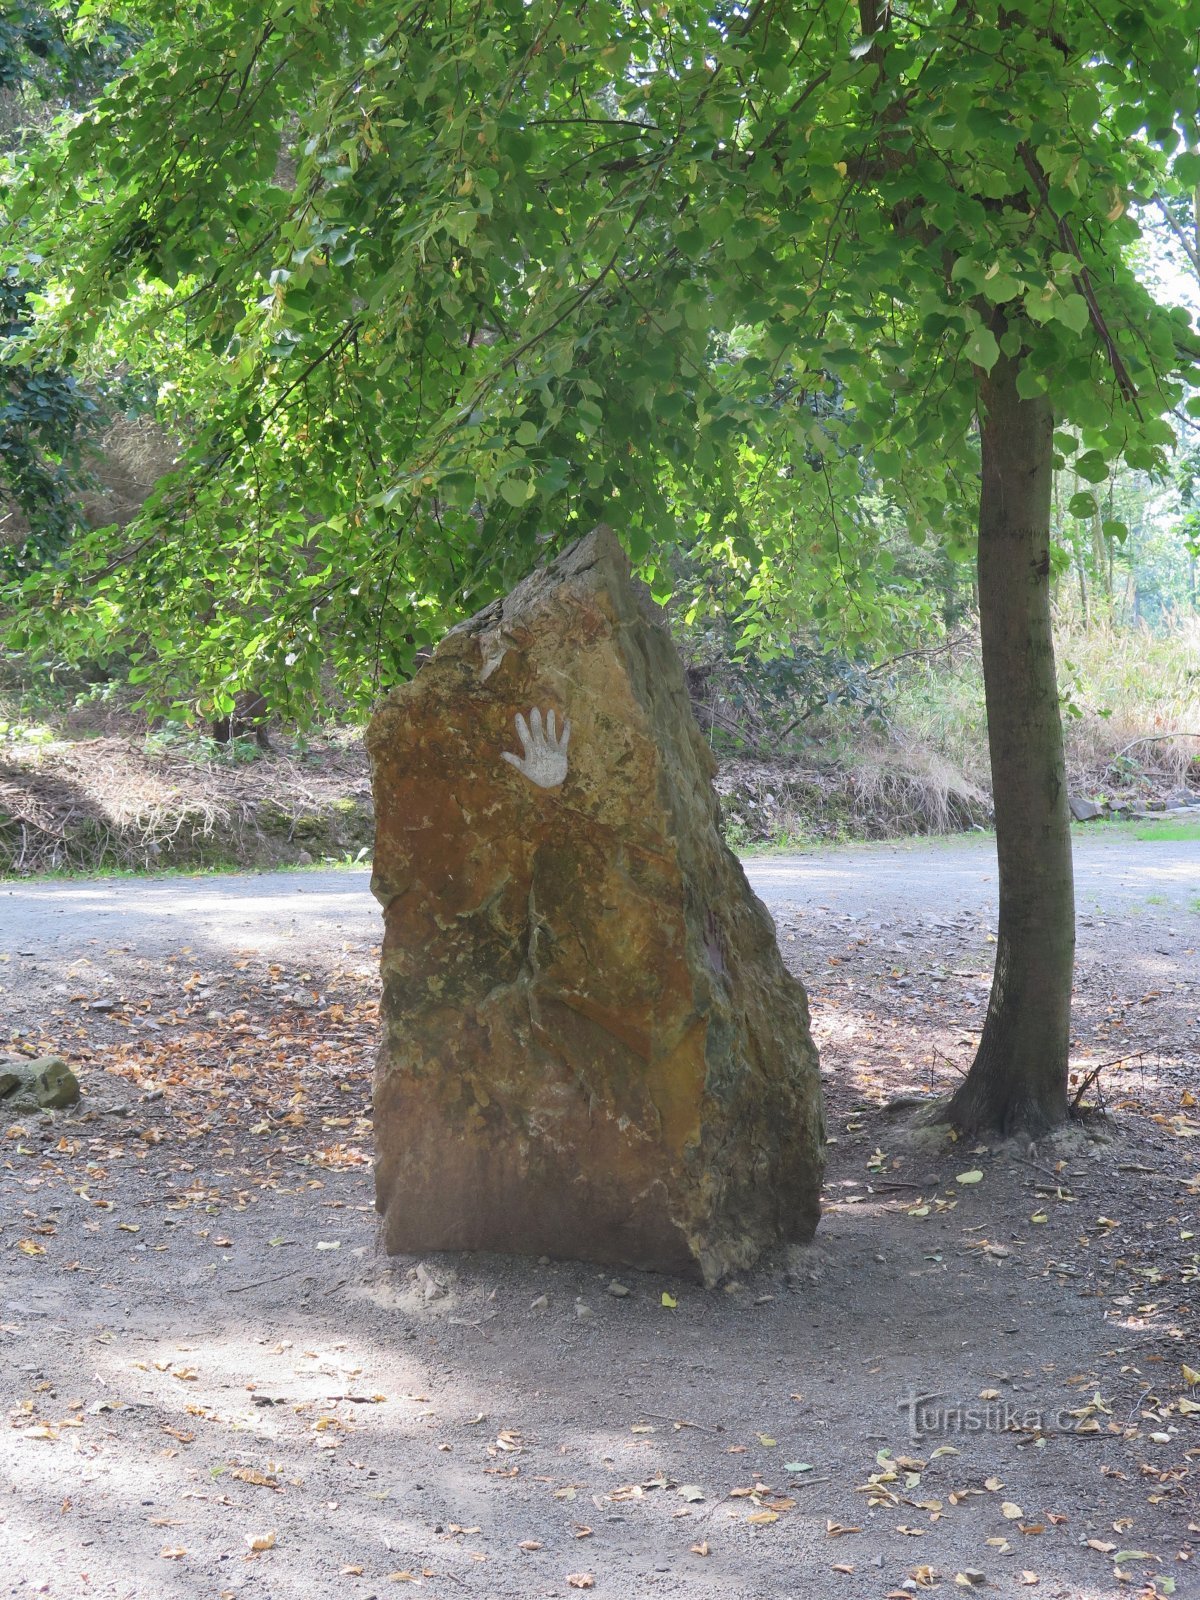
x,y
591,1045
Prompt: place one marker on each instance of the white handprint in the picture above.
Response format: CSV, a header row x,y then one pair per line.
x,y
544,753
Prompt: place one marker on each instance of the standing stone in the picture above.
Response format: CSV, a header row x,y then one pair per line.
x,y
591,1046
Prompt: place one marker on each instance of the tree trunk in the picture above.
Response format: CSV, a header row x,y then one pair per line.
x,y
1018,1080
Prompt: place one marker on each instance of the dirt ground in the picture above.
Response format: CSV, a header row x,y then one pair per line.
x,y
979,1377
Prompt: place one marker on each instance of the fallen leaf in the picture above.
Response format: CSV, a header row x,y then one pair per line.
x,y
670,1302
581,1580
530,1544
263,1480
1011,1510
763,1517
974,1176
767,1442
261,1541
835,1529
700,1549
173,1552
690,1492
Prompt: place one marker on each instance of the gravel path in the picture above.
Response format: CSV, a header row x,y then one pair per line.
x,y
324,910
214,1387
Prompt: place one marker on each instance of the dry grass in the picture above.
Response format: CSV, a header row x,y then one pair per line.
x,y
1131,702
917,790
126,462
1139,698
119,804
1120,687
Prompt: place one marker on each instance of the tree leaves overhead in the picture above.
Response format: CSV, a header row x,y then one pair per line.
x,y
438,289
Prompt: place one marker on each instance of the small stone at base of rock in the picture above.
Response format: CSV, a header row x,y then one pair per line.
x,y
540,1304
618,1290
1084,810
432,1288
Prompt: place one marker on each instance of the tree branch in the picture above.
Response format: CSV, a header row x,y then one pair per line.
x,y
1081,279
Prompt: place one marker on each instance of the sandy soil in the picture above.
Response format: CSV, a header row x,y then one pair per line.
x,y
213,1385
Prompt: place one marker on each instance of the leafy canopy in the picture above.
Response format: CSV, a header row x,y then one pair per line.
x,y
432,289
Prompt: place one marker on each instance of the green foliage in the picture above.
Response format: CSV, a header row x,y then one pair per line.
x,y
443,287
41,416
763,704
61,52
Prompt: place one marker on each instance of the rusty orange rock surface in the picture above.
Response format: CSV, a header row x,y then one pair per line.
x,y
591,1046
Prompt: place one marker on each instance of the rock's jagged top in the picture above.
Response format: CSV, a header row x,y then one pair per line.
x,y
592,1047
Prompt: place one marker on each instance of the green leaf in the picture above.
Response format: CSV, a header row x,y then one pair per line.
x,y
1082,505
1030,384
1001,287
1072,311
1092,466
982,349
516,491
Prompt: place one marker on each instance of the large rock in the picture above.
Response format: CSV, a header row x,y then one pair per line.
x,y
591,1045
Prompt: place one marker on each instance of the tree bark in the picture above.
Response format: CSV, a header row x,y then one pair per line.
x,y
1018,1081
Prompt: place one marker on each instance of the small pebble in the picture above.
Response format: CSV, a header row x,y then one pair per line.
x,y
618,1290
540,1304
581,1311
